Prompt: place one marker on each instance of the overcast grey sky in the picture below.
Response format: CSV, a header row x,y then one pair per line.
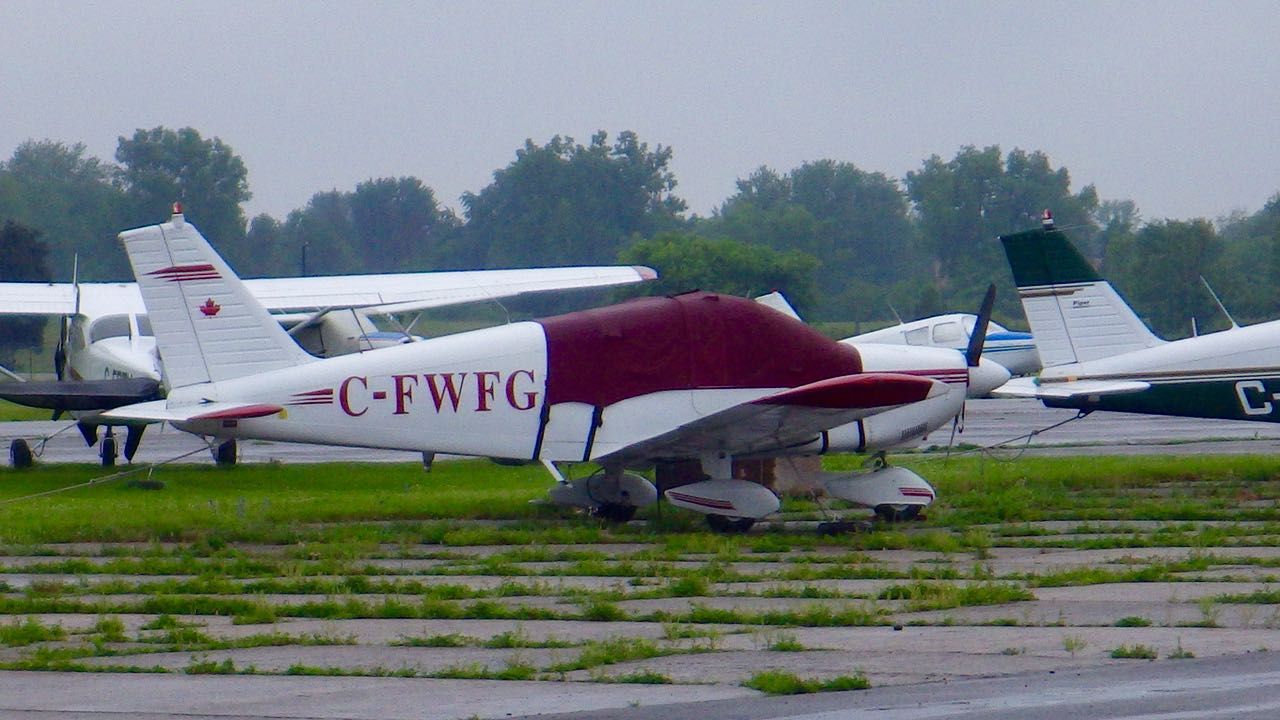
x,y
1174,105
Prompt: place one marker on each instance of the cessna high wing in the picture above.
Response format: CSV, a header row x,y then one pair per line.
x,y
695,377
1098,355
106,353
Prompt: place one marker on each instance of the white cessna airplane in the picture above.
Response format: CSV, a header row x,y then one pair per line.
x,y
1016,351
695,377
106,354
1098,355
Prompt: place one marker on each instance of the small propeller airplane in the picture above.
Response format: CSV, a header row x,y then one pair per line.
x,y
1016,351
1098,355
984,373
106,352
695,377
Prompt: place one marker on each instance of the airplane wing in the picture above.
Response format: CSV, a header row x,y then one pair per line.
x,y
403,292
160,411
22,298
394,292
791,417
1042,390
81,394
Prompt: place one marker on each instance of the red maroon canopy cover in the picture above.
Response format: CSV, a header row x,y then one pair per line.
x,y
694,340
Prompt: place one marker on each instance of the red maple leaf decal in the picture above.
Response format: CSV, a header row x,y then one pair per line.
x,y
210,308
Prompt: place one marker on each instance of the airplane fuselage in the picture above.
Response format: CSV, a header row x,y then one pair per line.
x,y
1232,375
495,392
1016,351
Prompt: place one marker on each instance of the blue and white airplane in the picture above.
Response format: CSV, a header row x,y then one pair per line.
x,y
1016,351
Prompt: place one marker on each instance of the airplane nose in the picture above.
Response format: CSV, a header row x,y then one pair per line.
x,y
988,376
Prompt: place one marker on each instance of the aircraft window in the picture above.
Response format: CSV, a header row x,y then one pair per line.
x,y
919,336
144,325
947,332
109,326
992,326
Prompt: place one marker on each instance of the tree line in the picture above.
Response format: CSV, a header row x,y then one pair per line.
x,y
843,242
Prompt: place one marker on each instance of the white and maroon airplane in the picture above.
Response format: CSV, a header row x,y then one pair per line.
x,y
697,376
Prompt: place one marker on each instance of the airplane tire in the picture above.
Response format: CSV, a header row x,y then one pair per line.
x,y
20,454
225,454
108,451
615,512
729,525
897,513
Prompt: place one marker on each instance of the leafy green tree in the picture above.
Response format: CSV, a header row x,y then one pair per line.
x,y
399,224
857,222
687,261
326,229
25,260
1247,276
69,197
1117,219
1159,270
162,166
566,203
962,204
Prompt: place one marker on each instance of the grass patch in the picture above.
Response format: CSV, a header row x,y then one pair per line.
x,y
781,682
1134,652
29,631
610,652
921,596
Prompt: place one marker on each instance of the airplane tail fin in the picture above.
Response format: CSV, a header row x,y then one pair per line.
x,y
1075,314
208,326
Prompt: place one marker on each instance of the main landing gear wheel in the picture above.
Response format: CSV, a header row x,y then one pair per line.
x,y
730,525
897,513
614,512
109,450
20,454
224,455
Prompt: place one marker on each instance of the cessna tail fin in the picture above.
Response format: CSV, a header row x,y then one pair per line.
x,y
208,326
1075,315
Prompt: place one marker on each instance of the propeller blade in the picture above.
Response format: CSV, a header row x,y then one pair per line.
x,y
979,337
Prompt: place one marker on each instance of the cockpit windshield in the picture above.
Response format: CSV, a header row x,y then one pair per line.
x,y
109,326
144,325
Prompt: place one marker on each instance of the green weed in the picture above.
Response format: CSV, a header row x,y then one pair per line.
x,y
781,682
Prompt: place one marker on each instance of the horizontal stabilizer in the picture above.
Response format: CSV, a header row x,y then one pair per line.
x,y
81,394
1030,388
160,411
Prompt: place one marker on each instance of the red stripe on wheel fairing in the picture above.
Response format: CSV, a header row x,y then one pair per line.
x,y
704,502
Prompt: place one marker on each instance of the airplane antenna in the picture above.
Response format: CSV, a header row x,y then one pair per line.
x,y
896,316
498,302
1221,307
